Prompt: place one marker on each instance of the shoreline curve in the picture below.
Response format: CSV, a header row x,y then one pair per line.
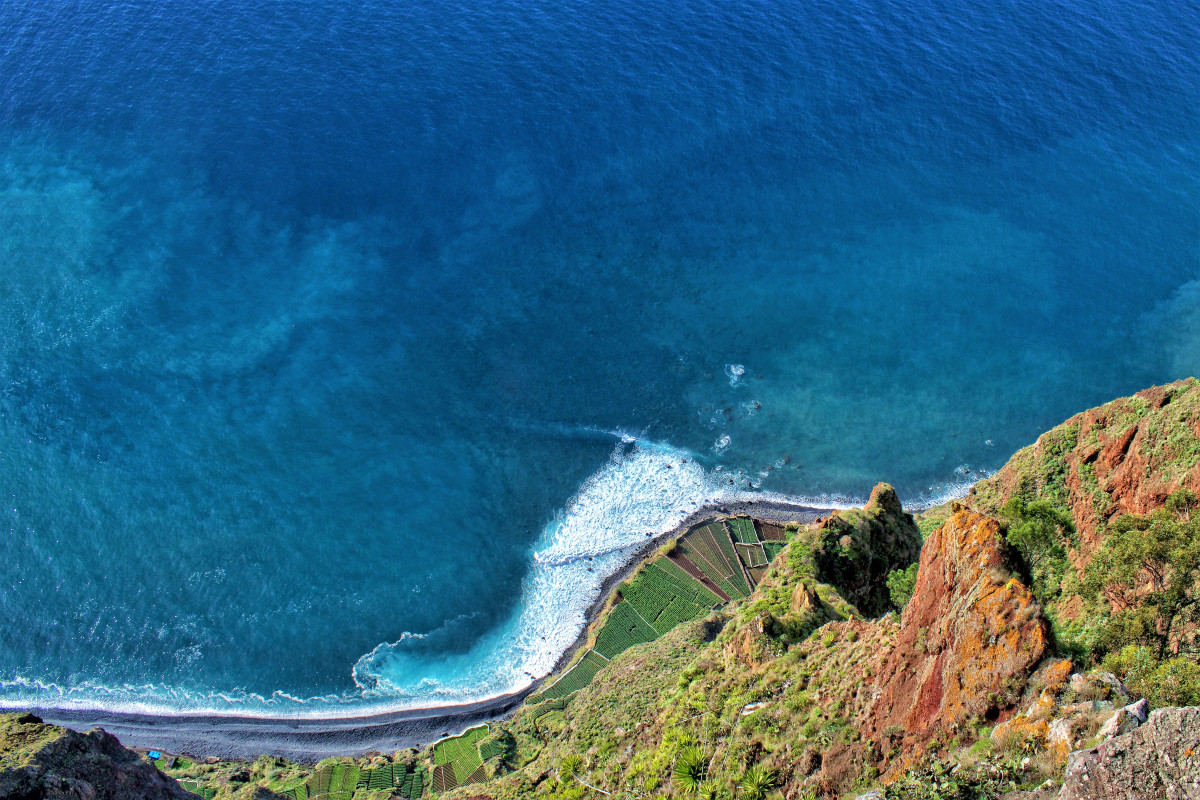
x,y
309,739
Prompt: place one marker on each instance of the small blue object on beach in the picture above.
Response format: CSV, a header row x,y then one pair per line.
x,y
154,755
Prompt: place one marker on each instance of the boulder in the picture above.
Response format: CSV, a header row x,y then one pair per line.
x,y
1125,719
1158,759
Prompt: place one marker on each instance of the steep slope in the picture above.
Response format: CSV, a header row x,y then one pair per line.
x,y
43,761
1124,457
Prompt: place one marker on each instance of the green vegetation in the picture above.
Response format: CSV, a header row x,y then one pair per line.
x,y
1146,572
900,584
457,760
574,679
1041,533
691,769
1163,682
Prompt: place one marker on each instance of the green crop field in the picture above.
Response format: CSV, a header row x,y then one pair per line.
x,y
623,629
702,550
456,759
743,530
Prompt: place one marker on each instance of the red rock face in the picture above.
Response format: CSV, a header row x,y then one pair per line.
x,y
969,635
1125,457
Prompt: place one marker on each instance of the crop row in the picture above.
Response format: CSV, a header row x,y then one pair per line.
x,y
701,549
664,572
577,677
743,530
443,778
726,545
659,603
752,555
623,629
492,747
460,753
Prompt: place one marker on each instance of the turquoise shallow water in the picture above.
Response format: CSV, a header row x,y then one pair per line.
x,y
335,341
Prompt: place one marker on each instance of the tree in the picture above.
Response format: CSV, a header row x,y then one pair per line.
x,y
1040,532
1147,572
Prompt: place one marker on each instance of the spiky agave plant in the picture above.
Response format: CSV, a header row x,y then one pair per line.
x,y
709,790
691,768
570,766
756,782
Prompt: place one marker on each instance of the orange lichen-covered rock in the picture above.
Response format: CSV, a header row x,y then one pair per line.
x,y
971,634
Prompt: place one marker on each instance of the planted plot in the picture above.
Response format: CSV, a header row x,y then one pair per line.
x,y
772,533
623,629
752,555
743,530
680,563
413,786
457,758
443,778
206,792
702,549
772,549
684,585
738,577
493,748
577,677
378,778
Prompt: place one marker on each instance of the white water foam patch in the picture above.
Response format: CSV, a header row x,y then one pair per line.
x,y
644,491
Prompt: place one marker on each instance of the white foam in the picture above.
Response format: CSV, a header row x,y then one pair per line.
x,y
734,372
643,492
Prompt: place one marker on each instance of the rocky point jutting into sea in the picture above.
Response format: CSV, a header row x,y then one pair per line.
x,y
1033,639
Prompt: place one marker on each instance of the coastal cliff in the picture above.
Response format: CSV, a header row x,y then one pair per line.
x,y
1004,654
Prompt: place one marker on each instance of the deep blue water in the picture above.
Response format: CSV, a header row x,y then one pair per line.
x,y
335,337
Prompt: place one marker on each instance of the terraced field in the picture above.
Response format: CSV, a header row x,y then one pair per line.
x,y
456,761
710,565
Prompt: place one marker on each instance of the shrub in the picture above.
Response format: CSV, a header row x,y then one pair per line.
x,y
691,769
900,584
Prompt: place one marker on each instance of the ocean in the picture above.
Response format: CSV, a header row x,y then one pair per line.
x,y
345,348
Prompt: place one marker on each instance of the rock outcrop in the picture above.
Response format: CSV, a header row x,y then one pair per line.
x,y
44,761
1159,759
970,634
856,549
963,651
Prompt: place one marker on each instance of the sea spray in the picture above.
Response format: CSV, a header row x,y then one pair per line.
x,y
645,490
